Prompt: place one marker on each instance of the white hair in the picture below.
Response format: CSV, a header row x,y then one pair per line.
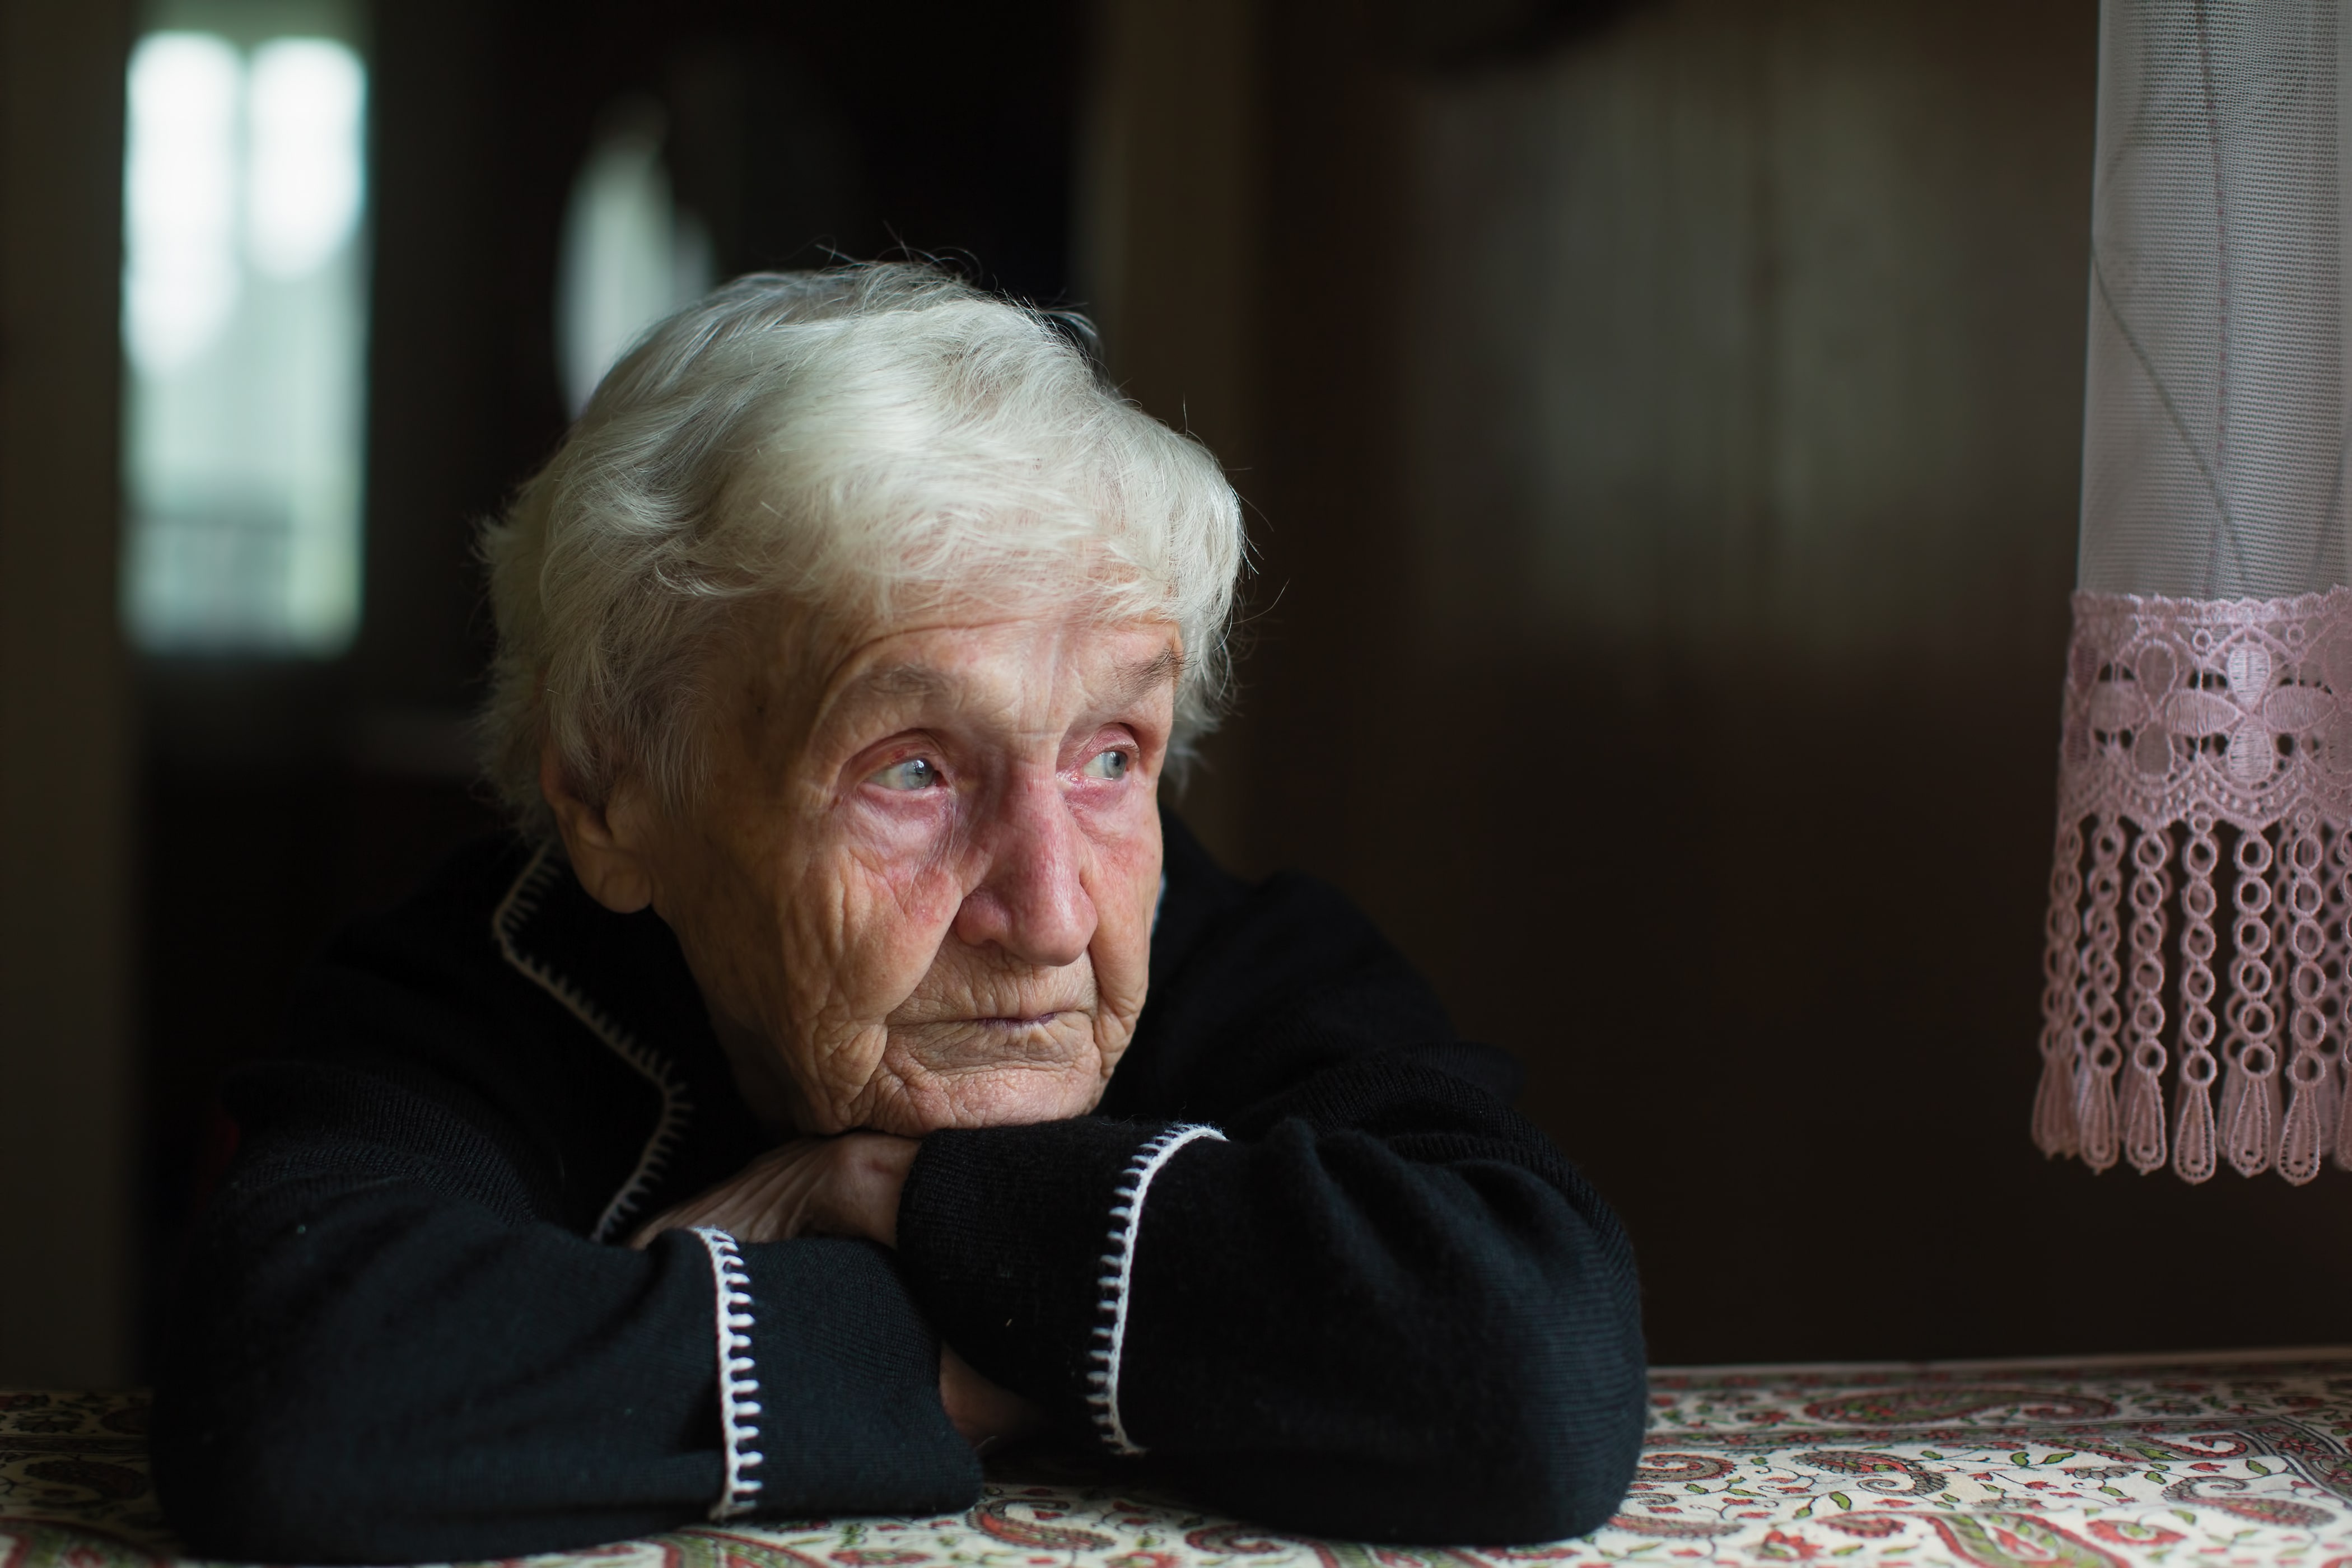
x,y
833,440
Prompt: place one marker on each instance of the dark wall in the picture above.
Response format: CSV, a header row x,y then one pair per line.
x,y
1666,470
67,1083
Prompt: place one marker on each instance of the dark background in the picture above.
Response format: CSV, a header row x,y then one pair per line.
x,y
1659,424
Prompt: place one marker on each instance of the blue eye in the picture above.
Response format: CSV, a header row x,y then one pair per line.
x,y
1109,765
915,773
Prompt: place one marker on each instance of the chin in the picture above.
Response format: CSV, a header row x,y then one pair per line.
x,y
1001,1097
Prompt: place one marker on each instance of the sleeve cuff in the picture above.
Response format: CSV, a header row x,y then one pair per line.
x,y
1019,1243
828,1385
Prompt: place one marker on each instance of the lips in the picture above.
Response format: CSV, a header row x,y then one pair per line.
x,y
985,1012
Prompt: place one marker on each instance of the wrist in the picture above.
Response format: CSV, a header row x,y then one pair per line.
x,y
873,1174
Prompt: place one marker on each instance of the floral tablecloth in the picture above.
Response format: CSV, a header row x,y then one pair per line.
x,y
2221,1460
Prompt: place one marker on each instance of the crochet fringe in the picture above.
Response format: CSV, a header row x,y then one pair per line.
x,y
2202,888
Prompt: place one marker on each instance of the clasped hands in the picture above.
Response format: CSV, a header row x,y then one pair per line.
x,y
846,1185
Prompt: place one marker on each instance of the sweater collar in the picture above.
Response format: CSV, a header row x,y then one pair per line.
x,y
625,980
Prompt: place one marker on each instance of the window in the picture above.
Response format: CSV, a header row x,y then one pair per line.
x,y
244,326
631,254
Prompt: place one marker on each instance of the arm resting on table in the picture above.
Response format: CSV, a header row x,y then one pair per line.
x,y
1378,1307
383,1354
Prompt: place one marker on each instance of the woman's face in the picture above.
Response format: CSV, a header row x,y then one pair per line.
x,y
918,887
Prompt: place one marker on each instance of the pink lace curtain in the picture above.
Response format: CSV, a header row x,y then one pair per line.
x,y
2199,961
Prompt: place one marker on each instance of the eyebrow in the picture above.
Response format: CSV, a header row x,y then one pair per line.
x,y
906,680
919,682
1167,667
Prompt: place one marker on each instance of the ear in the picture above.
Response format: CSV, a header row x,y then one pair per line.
x,y
608,843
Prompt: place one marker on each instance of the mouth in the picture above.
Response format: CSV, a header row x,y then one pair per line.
x,y
976,1041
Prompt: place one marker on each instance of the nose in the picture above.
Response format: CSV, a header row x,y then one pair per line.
x,y
1032,901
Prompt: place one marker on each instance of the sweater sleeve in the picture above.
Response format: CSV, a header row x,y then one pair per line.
x,y
1347,1291
385,1350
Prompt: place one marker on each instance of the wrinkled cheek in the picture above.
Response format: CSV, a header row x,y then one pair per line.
x,y
1121,978
850,1068
880,939
1122,949
1115,1026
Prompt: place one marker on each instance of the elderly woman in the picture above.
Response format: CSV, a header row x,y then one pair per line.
x,y
851,1062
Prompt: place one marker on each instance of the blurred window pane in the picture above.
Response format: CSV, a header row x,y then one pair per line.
x,y
631,254
245,318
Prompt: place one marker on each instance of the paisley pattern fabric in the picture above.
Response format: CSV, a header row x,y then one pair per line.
x,y
2230,1460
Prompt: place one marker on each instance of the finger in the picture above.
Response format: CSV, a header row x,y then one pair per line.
x,y
768,1200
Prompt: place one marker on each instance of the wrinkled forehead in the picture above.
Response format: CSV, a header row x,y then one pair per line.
x,y
974,655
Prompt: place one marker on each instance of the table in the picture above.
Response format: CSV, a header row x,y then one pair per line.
x,y
2219,1460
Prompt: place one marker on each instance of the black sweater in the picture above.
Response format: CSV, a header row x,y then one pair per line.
x,y
1372,1302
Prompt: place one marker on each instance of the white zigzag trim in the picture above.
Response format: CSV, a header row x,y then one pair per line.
x,y
521,899
1126,1218
738,1381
